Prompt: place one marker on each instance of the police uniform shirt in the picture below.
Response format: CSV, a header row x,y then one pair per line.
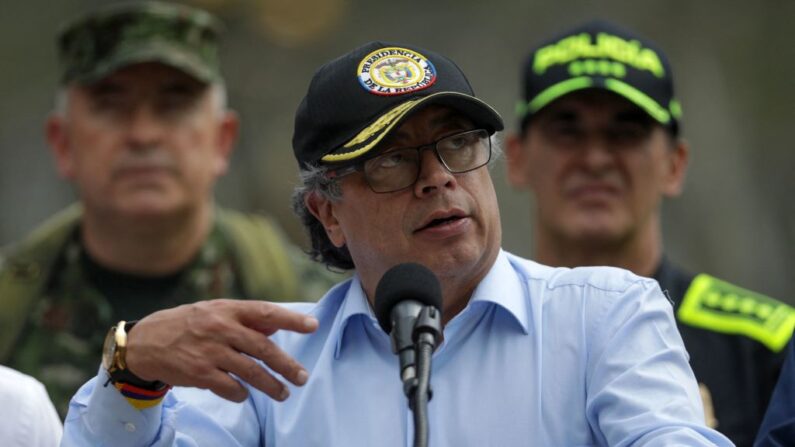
x,y
735,351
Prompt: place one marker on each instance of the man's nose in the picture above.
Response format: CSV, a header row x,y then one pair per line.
x,y
597,153
145,127
434,175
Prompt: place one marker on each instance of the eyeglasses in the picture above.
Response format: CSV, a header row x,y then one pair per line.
x,y
399,168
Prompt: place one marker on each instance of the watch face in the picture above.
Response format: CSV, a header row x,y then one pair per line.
x,y
109,349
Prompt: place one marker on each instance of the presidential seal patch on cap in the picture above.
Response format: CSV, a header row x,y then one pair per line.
x,y
395,71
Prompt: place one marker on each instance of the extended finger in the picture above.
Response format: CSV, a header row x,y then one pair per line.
x,y
268,318
251,372
256,345
224,385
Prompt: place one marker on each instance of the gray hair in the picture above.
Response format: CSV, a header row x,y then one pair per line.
x,y
315,181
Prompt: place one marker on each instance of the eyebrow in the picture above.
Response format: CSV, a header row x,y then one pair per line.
x,y
182,90
633,116
563,115
104,87
449,117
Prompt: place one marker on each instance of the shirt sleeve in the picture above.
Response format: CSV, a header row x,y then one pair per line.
x,y
640,388
100,416
27,416
48,428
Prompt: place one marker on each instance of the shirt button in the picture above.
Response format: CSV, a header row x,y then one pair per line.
x,y
130,427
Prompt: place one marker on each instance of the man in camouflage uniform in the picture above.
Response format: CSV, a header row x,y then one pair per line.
x,y
599,147
142,130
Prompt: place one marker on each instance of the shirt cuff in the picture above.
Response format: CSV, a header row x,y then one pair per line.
x,y
111,419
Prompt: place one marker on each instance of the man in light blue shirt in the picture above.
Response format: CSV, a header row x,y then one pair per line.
x,y
531,355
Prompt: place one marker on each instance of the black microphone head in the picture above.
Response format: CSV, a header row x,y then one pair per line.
x,y
407,281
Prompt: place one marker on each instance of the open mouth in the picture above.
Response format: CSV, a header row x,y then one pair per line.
x,y
441,221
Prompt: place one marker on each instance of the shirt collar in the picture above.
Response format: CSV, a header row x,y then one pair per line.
x,y
354,303
501,286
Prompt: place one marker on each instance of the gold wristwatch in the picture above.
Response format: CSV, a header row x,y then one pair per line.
x,y
113,358
115,347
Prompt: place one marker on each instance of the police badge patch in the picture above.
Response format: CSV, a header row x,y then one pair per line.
x,y
395,71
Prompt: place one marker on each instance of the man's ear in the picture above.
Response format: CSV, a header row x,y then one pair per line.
x,y
516,163
323,210
676,169
56,132
228,133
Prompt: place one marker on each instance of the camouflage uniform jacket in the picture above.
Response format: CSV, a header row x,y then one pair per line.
x,y
53,321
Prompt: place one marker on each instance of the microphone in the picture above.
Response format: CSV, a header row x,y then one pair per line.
x,y
408,302
404,292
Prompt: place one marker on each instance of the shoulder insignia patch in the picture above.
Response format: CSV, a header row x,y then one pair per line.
x,y
713,304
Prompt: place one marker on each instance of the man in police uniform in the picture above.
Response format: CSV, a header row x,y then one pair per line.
x,y
599,147
142,130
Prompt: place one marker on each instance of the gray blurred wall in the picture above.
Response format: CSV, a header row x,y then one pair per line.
x,y
733,61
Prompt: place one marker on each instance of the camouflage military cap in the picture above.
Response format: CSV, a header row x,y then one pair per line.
x,y
102,41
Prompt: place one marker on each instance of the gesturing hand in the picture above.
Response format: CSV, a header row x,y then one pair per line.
x,y
200,344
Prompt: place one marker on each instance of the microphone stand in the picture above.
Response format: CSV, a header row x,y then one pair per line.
x,y
427,333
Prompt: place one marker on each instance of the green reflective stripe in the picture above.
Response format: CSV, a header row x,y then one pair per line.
x,y
722,307
641,99
556,91
521,109
676,109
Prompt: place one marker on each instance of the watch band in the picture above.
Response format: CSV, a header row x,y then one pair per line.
x,y
118,369
141,398
140,393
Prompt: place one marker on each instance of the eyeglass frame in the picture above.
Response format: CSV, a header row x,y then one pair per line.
x,y
337,173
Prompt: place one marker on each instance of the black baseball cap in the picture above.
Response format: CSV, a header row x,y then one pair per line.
x,y
599,54
356,100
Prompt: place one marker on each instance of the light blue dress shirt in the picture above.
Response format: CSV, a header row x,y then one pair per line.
x,y
539,357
